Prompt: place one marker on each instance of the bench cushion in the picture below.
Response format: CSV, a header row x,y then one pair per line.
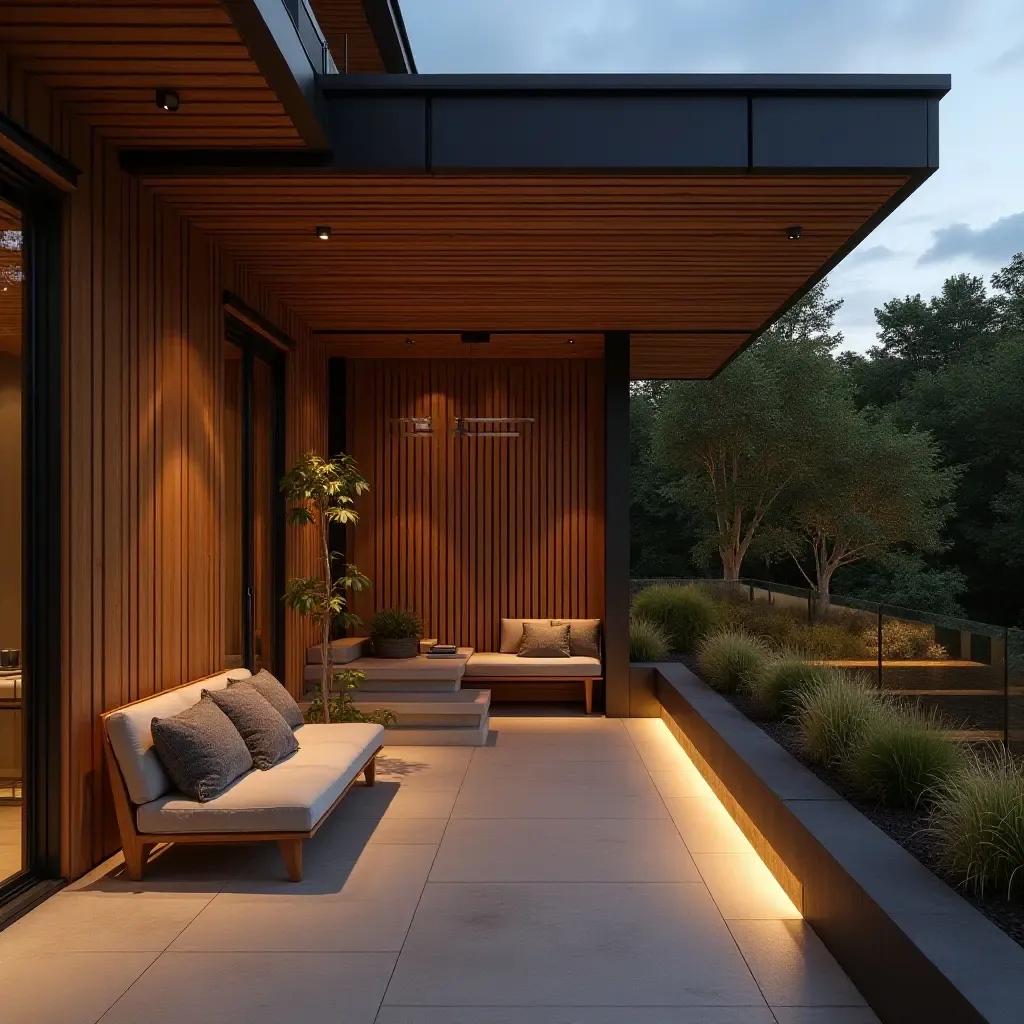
x,y
512,633
291,797
132,739
485,664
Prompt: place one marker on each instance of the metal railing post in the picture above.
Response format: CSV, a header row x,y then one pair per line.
x,y
1006,688
880,647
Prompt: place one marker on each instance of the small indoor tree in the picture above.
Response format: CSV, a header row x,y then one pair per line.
x,y
322,492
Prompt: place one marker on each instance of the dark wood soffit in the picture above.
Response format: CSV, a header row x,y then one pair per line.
x,y
36,155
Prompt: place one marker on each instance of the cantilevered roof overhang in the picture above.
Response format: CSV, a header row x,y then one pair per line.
x,y
546,205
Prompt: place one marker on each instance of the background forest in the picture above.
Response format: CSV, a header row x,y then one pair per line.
x,y
895,476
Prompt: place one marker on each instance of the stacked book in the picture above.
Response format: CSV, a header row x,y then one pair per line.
x,y
443,651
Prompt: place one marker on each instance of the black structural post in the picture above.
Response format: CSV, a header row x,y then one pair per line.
x,y
616,525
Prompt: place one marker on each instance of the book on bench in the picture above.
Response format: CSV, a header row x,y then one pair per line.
x,y
443,651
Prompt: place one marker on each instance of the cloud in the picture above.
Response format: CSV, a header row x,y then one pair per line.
x,y
675,35
994,244
1009,60
873,254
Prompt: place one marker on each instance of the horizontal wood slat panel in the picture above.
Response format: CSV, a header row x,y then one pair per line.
x,y
129,50
339,19
686,356
535,253
467,530
451,346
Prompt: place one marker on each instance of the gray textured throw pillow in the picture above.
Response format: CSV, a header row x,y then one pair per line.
x,y
584,636
267,735
542,640
201,750
267,686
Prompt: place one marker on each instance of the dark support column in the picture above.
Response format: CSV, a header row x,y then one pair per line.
x,y
616,524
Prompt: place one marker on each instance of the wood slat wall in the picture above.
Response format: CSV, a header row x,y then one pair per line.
x,y
143,484
467,530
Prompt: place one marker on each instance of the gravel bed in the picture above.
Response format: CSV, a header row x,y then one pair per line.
x,y
908,828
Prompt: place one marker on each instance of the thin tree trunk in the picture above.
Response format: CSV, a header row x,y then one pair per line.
x,y
325,641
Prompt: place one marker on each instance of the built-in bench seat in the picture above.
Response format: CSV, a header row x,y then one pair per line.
x,y
507,667
286,803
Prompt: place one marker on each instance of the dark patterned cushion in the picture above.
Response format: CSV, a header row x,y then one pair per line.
x,y
543,640
201,750
267,686
584,636
267,735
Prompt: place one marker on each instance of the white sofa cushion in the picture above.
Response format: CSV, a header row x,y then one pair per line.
x,y
132,740
511,665
512,633
360,733
291,797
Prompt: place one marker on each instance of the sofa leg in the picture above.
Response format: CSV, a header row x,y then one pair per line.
x,y
370,771
588,691
135,855
291,850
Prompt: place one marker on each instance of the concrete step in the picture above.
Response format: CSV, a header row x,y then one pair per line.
x,y
416,684
436,719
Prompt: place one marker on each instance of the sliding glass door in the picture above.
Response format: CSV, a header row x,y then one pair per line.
x,y
253,507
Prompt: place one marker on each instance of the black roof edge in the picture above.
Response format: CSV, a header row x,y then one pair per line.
x,y
935,86
388,27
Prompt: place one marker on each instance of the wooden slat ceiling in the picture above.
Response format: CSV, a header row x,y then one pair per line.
x,y
10,289
700,254
105,60
451,346
341,19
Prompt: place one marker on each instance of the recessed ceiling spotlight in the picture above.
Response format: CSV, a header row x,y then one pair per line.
x,y
167,99
794,232
409,341
323,232
571,341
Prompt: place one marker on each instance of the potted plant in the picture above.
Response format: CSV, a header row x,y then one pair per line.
x,y
396,633
323,491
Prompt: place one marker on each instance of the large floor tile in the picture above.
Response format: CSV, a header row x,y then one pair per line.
x,y
574,1015
76,988
295,924
681,784
603,944
743,887
173,869
256,988
493,771
562,850
390,831
560,799
706,826
420,768
102,922
824,1015
792,966
393,800
373,871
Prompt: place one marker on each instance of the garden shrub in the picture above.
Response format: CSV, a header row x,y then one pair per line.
x,y
731,660
778,689
978,817
684,613
647,640
904,641
835,715
903,757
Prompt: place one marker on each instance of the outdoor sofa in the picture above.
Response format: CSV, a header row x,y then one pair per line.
x,y
286,804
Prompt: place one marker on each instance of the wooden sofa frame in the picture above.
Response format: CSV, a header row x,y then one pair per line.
x,y
137,845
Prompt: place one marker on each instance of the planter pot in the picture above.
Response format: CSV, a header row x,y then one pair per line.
x,y
404,647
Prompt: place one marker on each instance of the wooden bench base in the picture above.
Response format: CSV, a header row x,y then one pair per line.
x,y
539,689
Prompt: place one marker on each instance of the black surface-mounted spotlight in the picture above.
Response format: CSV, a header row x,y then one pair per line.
x,y
571,341
167,99
793,232
323,232
409,341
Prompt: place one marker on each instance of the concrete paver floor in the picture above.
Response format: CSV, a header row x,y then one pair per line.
x,y
576,871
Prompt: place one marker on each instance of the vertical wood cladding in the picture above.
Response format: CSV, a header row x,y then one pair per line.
x,y
466,530
143,486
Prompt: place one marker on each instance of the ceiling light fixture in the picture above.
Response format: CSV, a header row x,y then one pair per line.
x,y
409,341
323,232
571,341
167,99
794,232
